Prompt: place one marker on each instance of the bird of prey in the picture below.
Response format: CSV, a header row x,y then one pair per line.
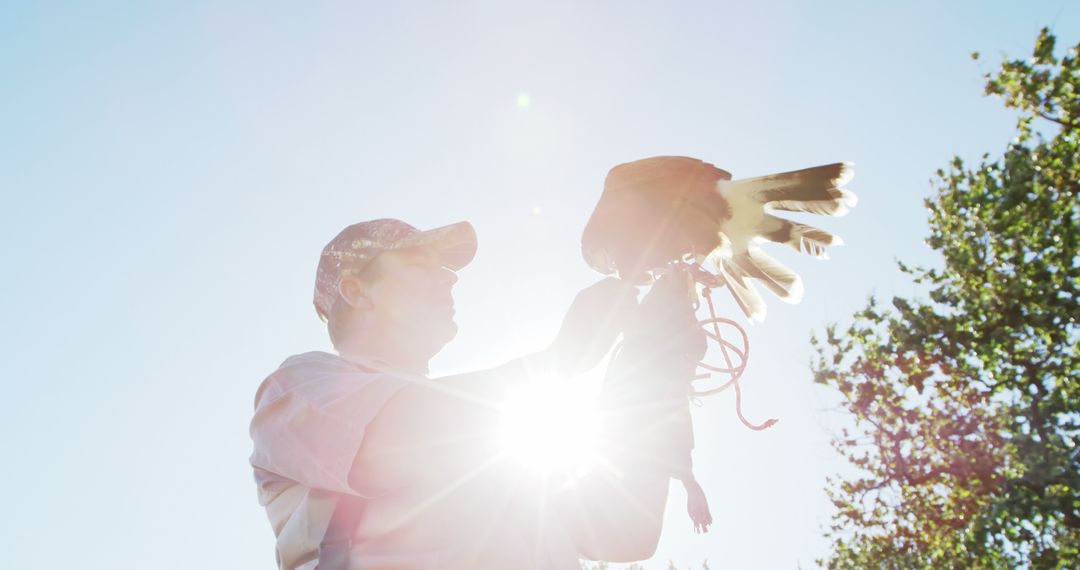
x,y
675,208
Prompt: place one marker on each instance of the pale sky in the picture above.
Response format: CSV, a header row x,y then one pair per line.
x,y
170,171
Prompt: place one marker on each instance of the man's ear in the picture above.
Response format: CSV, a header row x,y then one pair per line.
x,y
354,292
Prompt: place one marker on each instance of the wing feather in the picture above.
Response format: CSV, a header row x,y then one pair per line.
x,y
801,237
744,293
782,281
817,190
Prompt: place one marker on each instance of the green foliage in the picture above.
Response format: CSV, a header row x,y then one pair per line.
x,y
966,406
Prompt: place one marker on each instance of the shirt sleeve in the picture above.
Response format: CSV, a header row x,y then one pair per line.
x,y
311,416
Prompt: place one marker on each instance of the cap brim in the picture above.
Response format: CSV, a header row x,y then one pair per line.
x,y
455,243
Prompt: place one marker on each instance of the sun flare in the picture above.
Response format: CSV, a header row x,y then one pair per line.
x,y
552,426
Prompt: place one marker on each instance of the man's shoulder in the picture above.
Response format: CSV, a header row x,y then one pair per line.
x,y
319,372
314,358
317,363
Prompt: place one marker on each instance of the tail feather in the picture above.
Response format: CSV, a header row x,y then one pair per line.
x,y
783,282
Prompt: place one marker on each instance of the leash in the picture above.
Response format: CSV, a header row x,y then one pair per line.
x,y
735,372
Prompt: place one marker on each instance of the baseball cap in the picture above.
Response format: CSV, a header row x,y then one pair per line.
x,y
352,249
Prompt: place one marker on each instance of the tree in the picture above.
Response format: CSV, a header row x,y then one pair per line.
x,y
965,407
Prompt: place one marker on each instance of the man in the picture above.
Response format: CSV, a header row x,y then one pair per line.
x,y
415,459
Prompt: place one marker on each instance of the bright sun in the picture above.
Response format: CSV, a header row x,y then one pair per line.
x,y
552,426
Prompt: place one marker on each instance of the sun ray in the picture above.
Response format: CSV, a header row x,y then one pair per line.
x,y
449,488
551,426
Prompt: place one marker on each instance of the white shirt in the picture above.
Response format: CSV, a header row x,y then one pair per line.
x,y
310,419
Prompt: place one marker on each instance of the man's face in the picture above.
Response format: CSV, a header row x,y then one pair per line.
x,y
412,299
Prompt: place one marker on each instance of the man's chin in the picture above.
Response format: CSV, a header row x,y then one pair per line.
x,y
451,331
441,333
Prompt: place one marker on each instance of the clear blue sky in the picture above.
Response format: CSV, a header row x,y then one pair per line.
x,y
169,172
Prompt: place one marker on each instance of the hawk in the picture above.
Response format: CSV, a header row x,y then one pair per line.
x,y
675,208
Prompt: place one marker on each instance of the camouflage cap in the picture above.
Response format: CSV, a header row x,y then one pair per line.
x,y
355,247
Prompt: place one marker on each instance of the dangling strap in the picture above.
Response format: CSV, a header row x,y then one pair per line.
x,y
697,505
